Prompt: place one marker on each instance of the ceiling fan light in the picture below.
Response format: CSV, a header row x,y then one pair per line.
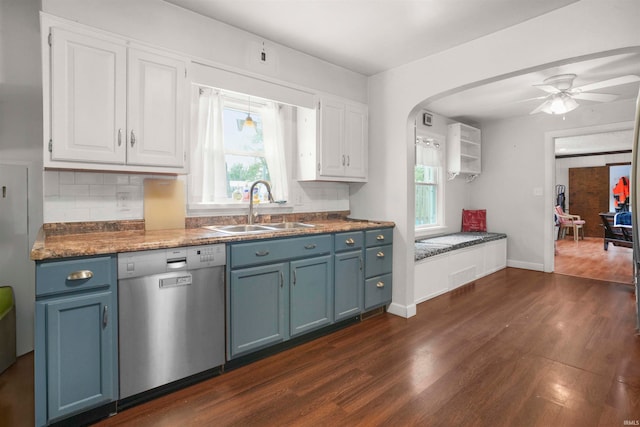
x,y
560,103
248,122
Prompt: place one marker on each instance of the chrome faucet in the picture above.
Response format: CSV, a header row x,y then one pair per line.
x,y
268,187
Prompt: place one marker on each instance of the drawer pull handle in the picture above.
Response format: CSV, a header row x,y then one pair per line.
x,y
380,254
380,285
80,274
295,277
262,253
350,241
380,237
310,246
281,279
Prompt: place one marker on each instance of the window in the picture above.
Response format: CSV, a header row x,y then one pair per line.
x,y
228,153
428,181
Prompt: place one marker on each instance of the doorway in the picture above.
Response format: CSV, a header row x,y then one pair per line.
x,y
586,175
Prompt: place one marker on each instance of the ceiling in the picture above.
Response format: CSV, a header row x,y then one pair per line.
x,y
370,36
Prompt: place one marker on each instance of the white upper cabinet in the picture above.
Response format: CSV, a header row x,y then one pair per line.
x,y
88,98
332,141
113,106
156,109
463,150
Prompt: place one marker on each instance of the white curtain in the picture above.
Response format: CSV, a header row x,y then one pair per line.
x,y
429,151
208,177
275,132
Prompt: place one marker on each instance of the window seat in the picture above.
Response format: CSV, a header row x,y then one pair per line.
x,y
444,263
432,246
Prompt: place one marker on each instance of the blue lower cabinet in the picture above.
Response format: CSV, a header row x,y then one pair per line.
x,y
311,294
258,301
76,352
348,284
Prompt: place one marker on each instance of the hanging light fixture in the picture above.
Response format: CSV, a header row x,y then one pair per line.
x,y
248,122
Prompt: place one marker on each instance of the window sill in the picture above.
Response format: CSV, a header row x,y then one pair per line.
x,y
428,231
227,208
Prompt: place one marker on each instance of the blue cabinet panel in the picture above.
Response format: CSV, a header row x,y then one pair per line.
x,y
80,348
311,294
257,307
55,277
377,291
349,241
383,236
264,252
348,284
378,260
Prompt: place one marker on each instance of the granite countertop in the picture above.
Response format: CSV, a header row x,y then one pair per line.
x,y
432,246
59,241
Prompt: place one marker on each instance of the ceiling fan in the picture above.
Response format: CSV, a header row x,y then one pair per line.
x,y
562,95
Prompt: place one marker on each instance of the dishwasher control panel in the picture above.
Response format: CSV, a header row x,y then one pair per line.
x,y
145,263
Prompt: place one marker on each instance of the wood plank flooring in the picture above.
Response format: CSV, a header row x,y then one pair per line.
x,y
516,348
587,258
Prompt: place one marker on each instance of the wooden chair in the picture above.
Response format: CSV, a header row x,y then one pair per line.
x,y
567,221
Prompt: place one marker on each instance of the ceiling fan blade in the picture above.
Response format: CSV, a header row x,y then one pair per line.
x,y
547,88
597,97
607,83
530,99
539,107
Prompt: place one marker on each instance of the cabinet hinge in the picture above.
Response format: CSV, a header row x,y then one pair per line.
x,y
185,73
318,105
318,167
49,39
51,146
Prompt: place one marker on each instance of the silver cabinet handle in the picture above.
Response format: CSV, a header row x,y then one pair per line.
x,y
133,138
281,279
310,246
105,316
380,254
262,253
380,237
360,258
80,274
350,241
119,137
380,285
295,278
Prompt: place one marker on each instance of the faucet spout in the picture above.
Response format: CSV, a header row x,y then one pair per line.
x,y
268,187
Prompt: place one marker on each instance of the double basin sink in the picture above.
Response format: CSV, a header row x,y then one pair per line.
x,y
258,228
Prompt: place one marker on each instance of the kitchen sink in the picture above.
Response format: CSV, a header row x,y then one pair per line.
x,y
239,229
288,225
257,228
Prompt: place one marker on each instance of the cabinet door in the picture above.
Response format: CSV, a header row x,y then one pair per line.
x,y
332,156
88,98
257,307
355,143
81,367
348,285
311,294
155,115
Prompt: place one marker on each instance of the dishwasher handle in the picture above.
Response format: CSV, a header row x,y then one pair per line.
x,y
177,263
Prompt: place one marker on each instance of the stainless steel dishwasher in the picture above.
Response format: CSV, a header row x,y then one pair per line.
x,y
171,315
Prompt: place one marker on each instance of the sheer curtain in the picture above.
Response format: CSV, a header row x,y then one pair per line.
x,y
275,131
208,177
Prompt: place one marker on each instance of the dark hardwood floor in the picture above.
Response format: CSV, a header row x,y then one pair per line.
x,y
516,348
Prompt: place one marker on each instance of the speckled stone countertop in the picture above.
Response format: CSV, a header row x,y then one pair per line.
x,y
63,240
432,246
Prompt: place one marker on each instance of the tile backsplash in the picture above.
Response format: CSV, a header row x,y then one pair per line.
x,y
94,196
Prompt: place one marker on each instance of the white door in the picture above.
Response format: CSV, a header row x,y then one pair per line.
x,y
356,142
88,98
16,269
155,109
332,157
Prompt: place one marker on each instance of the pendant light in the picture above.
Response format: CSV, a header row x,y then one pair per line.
x,y
248,122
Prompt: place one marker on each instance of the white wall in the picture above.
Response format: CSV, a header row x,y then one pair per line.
x,y
584,28
21,136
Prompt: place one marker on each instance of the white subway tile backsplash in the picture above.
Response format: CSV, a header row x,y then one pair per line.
x,y
67,177
74,190
102,190
51,183
116,179
89,178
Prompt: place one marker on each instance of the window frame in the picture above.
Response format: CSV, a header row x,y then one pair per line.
x,y
438,183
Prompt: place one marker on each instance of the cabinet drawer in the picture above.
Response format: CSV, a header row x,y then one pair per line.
x,y
262,252
378,260
377,291
75,274
349,241
379,237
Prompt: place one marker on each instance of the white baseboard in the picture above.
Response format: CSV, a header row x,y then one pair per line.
x,y
401,310
525,265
